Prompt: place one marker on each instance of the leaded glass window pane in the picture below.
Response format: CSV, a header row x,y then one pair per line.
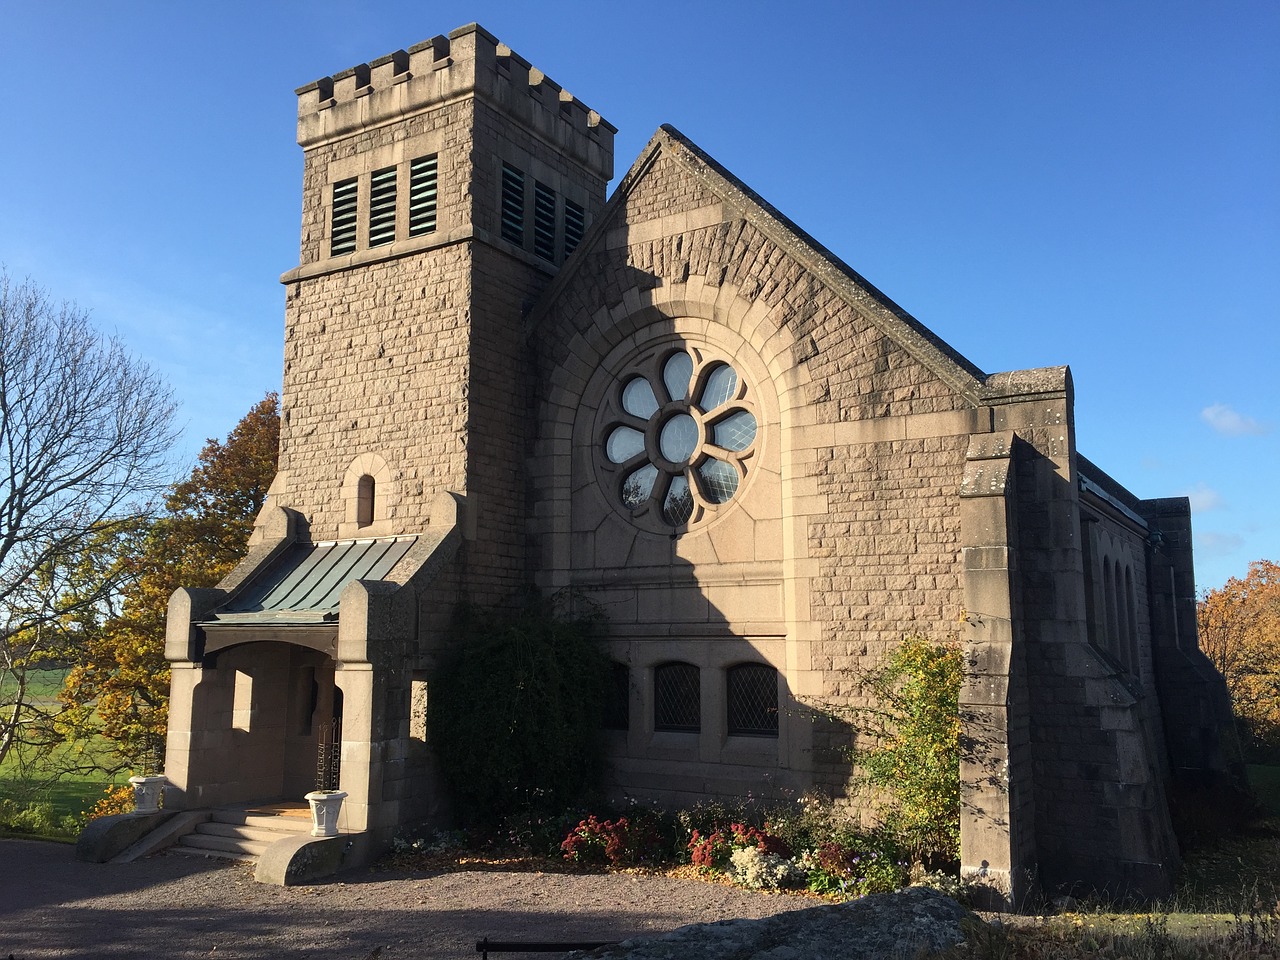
x,y
679,503
752,700
623,444
639,485
735,432
678,438
720,480
676,373
638,399
720,388
677,698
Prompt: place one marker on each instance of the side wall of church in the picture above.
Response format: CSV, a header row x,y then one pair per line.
x,y
1204,755
1099,805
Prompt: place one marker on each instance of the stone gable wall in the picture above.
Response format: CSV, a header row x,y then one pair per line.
x,y
675,234
665,189
887,555
886,550
860,538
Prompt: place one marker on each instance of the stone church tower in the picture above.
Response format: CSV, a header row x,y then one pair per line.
x,y
442,188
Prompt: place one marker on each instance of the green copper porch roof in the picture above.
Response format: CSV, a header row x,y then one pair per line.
x,y
309,577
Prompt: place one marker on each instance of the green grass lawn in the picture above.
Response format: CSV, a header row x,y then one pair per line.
x,y
69,797
42,685
23,783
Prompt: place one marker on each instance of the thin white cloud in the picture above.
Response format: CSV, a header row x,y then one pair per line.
x,y
1223,419
1218,544
1203,498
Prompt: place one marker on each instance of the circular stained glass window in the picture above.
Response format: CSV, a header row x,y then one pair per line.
x,y
680,438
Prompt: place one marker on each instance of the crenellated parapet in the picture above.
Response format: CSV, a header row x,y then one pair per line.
x,y
468,62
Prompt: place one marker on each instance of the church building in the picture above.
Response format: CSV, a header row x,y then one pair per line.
x,y
675,402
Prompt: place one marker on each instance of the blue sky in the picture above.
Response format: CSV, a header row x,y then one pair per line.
x,y
1092,183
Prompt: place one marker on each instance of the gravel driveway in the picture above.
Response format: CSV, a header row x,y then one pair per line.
x,y
172,905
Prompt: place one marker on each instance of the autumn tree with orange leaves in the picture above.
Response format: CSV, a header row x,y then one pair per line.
x,y
1240,632
118,686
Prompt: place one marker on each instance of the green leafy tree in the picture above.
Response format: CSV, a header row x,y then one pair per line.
x,y
1239,627
119,684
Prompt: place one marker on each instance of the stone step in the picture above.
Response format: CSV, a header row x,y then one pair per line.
x,y
256,829
238,833
185,851
246,849
265,821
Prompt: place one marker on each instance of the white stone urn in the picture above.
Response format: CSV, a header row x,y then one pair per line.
x,y
325,805
147,792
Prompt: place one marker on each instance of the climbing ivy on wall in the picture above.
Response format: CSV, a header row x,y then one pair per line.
x,y
915,753
908,744
516,711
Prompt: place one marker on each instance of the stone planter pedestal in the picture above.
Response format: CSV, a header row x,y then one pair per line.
x,y
325,805
146,793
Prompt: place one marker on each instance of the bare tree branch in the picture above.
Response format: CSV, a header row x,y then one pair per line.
x,y
86,432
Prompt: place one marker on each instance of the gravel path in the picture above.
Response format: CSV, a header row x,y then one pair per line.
x,y
172,905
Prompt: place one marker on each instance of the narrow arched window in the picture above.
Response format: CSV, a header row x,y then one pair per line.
x,y
1113,621
1131,609
752,700
365,493
677,698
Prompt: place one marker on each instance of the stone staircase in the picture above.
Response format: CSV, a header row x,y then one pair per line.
x,y
240,833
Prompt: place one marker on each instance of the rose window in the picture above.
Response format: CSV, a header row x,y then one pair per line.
x,y
678,438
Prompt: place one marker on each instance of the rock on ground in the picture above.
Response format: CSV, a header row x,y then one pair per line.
x,y
882,926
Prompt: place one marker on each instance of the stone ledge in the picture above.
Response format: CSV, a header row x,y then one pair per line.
x,y
107,837
297,860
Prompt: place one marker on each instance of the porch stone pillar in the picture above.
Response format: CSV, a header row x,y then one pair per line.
x,y
185,735
361,775
184,678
